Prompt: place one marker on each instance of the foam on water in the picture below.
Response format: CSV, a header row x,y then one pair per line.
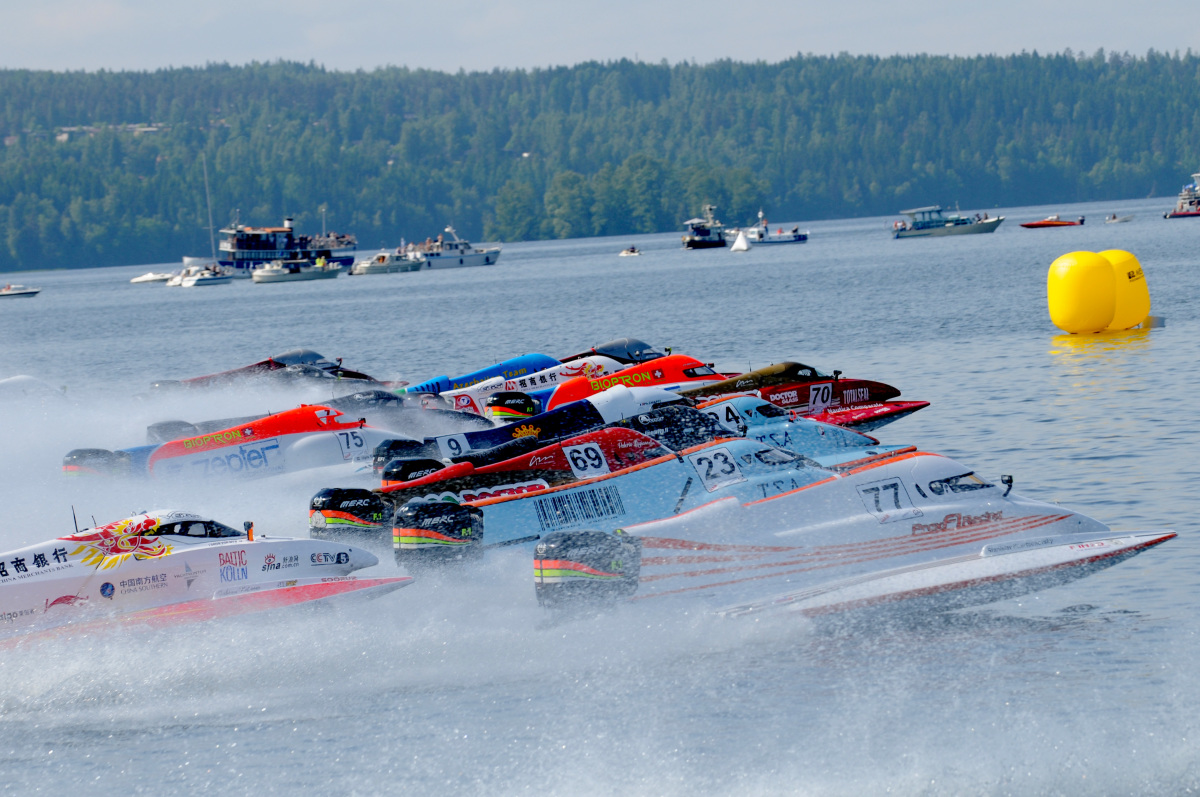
x,y
460,683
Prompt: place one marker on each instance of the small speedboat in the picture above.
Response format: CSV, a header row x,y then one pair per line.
x,y
152,276
1052,221
632,251
11,291
207,277
170,567
1115,219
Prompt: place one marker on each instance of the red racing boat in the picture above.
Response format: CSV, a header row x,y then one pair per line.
x,y
1052,221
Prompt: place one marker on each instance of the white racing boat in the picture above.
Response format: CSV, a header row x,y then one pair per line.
x,y
899,530
167,567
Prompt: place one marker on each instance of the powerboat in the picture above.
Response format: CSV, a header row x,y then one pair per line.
x,y
384,262
170,567
11,291
672,372
632,251
309,436
599,361
290,365
207,277
704,233
1115,219
152,276
1053,221
295,271
760,233
450,251
862,404
931,221
1188,204
908,532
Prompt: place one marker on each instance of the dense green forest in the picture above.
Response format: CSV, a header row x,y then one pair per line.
x,y
105,168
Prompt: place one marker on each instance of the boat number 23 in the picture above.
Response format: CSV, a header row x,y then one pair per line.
x,y
716,467
887,500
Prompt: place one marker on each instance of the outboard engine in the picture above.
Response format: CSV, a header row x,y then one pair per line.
x,y
388,450
337,513
404,470
98,460
431,533
510,405
574,568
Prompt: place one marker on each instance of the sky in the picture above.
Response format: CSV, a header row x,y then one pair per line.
x,y
449,35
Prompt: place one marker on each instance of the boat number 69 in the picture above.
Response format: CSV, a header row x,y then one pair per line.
x,y
586,460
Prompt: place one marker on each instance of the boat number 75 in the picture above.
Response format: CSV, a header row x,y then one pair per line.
x,y
887,500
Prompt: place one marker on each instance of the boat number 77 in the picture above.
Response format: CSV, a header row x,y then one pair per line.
x,y
887,500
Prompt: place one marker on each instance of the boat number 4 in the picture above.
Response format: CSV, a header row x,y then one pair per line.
x,y
887,500
586,460
716,467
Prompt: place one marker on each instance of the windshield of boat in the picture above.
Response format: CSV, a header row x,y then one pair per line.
x,y
194,528
958,484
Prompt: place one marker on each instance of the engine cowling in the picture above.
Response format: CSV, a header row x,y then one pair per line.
x,y
388,450
338,513
432,533
580,568
98,460
403,470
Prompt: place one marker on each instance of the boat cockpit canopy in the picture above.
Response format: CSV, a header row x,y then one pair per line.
x,y
194,528
624,350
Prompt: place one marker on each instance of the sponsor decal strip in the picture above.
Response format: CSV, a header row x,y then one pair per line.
x,y
814,562
562,568
333,517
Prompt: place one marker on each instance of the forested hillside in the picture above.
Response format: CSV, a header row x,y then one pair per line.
x,y
105,168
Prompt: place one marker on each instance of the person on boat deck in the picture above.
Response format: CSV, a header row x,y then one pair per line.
x,y
977,218
985,216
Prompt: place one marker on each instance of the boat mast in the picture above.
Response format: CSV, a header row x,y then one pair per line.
x,y
208,200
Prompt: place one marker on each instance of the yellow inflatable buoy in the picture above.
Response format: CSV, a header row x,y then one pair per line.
x,y
1081,292
1132,292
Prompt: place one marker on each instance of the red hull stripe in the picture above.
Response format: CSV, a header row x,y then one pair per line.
x,y
816,562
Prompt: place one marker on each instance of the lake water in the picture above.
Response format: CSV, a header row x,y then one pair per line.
x,y
461,685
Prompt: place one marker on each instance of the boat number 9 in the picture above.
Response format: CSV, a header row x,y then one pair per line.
x,y
454,445
586,460
716,467
819,396
887,500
